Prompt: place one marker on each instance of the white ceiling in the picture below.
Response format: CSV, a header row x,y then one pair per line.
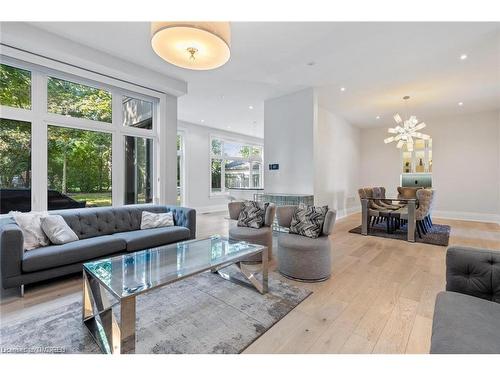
x,y
377,63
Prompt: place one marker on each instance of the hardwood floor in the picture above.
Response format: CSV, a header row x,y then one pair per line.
x,y
380,298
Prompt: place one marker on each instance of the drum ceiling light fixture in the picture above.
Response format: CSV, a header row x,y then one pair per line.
x,y
192,45
406,131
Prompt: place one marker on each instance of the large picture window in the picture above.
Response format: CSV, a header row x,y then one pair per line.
x,y
68,142
77,100
79,168
234,165
15,87
138,170
180,169
15,166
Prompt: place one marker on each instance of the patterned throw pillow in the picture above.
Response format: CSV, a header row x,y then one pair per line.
x,y
252,214
308,220
151,220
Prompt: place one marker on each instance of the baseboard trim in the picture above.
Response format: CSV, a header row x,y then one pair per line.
x,y
468,216
349,211
210,209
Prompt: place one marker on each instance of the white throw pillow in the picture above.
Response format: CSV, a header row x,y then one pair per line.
x,y
30,224
58,231
151,220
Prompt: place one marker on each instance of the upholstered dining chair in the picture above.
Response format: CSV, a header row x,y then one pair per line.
x,y
379,194
302,258
376,212
426,199
261,236
408,192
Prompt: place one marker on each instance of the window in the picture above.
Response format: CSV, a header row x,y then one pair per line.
x,y
138,170
79,168
15,166
234,165
15,87
180,169
137,113
74,150
216,175
77,100
237,173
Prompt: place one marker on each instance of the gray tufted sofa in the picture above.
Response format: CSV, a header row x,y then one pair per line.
x,y
102,232
467,314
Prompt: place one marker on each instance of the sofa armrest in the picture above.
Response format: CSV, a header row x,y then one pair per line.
x,y
11,252
185,217
475,272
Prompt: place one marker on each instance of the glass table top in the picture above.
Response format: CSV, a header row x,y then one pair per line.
x,y
138,272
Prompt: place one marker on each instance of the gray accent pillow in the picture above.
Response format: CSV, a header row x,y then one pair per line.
x,y
308,220
151,220
252,214
57,230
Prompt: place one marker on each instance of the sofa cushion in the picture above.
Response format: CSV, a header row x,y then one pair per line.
x,y
464,324
73,252
147,238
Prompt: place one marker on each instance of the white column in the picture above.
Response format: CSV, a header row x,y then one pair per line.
x,y
167,150
39,143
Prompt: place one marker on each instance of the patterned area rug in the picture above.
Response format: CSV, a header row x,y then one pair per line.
x,y
201,314
438,235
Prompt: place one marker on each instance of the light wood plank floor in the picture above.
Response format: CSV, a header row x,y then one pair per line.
x,y
380,298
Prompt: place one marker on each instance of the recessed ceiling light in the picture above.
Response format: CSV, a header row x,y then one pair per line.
x,y
460,104
228,127
463,56
378,117
342,89
202,120
250,107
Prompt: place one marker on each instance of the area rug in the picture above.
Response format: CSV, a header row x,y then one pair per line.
x,y
201,314
437,235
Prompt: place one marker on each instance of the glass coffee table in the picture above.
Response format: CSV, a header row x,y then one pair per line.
x,y
117,281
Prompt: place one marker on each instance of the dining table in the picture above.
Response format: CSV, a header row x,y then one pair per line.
x,y
410,205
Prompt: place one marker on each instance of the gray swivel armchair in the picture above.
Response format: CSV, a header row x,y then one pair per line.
x,y
262,236
302,258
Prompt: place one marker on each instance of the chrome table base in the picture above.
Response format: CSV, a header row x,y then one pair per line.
x,y
111,335
118,335
261,286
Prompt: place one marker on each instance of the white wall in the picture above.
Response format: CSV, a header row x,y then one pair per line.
x,y
466,164
288,135
336,163
197,167
318,152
